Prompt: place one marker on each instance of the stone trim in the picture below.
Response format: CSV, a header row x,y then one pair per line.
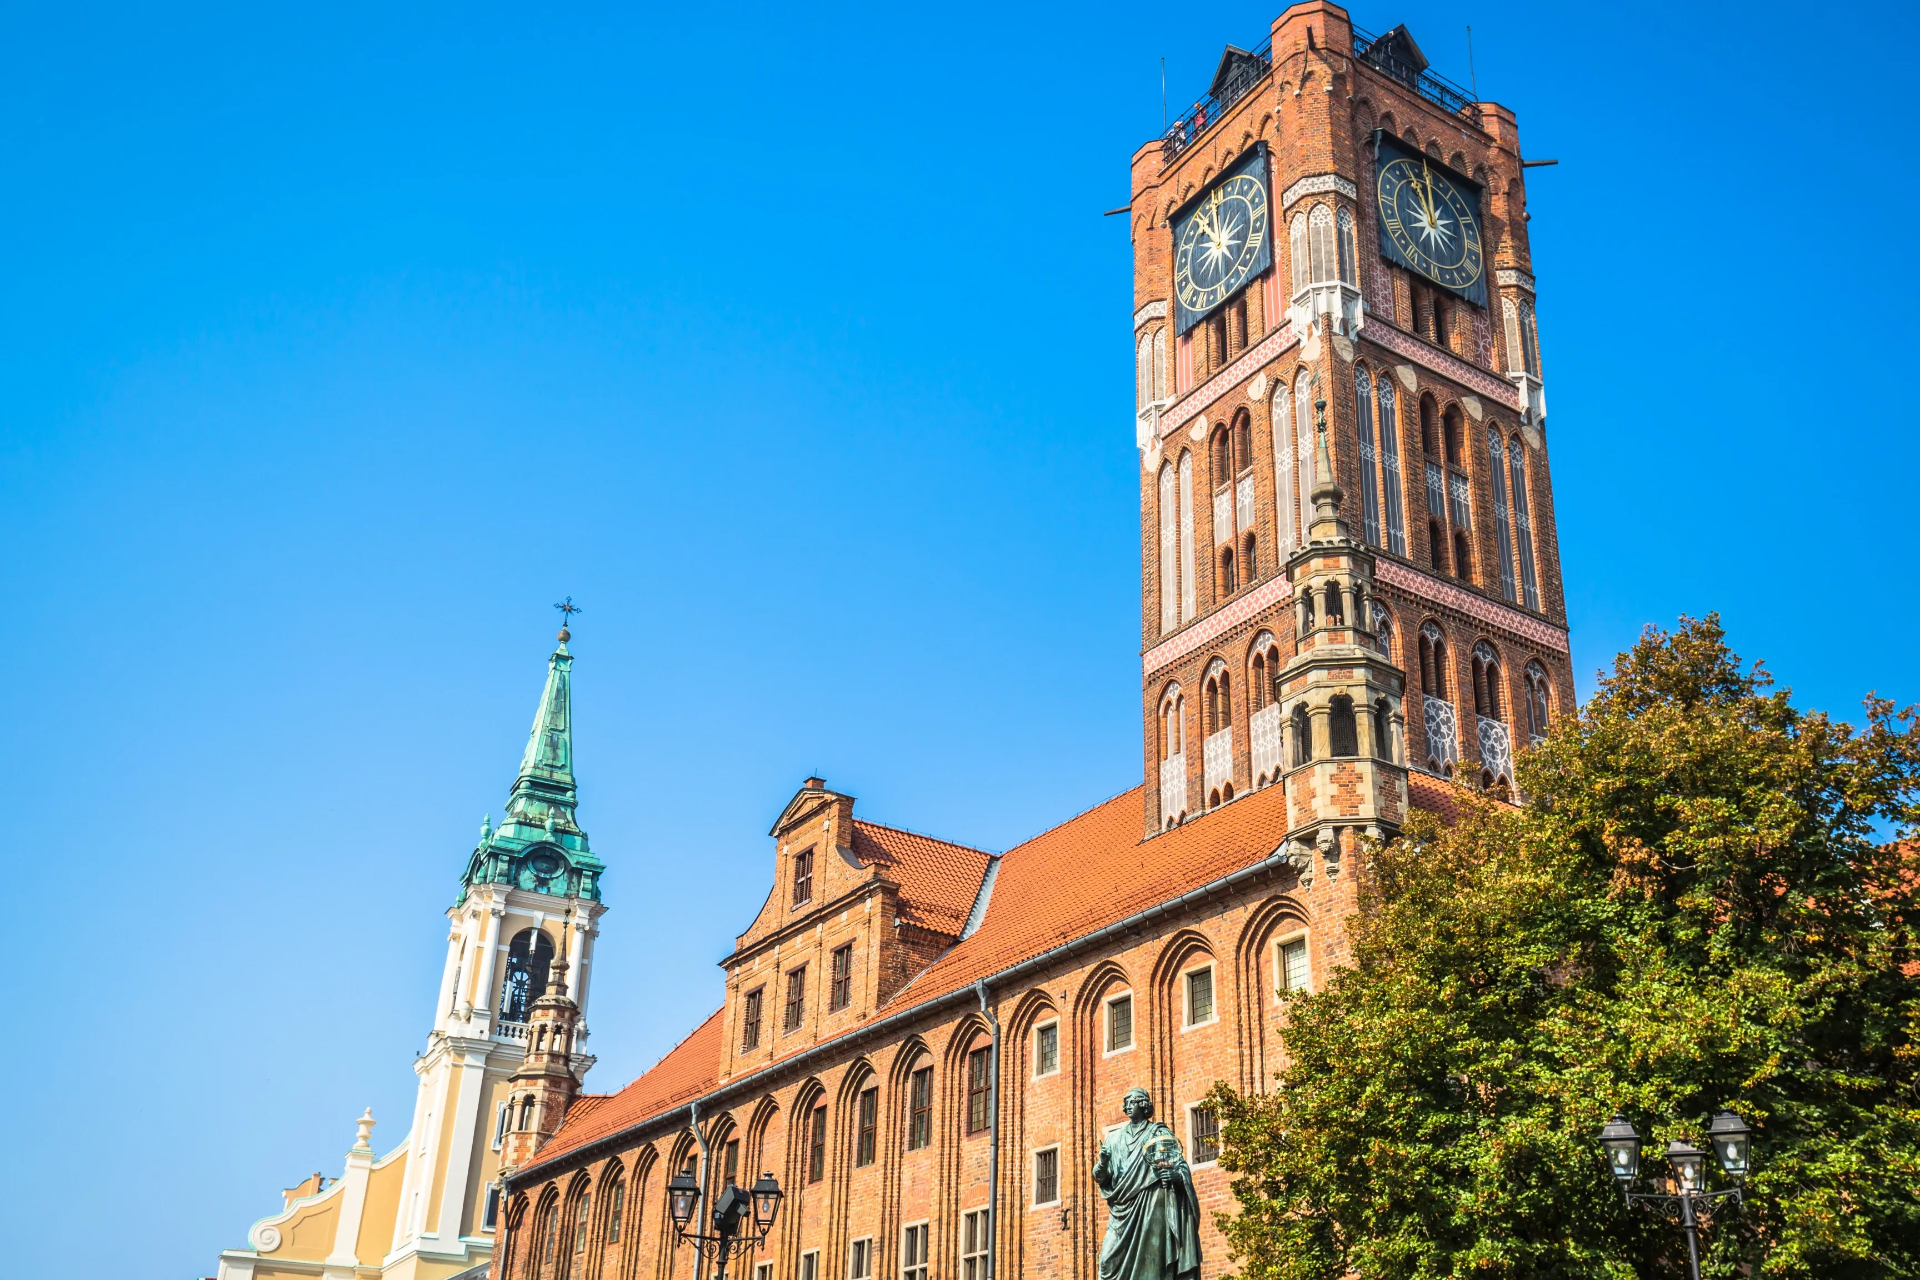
x,y
1445,364
1514,276
1183,410
1474,605
1152,311
1317,183
1215,624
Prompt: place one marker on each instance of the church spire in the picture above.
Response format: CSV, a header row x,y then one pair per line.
x,y
539,844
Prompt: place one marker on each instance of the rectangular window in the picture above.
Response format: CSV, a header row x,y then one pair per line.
x,y
1502,538
1293,965
491,1215
1046,1176
913,1252
500,1124
973,1245
1460,508
817,1145
842,994
1120,1023
1046,1049
867,1140
1523,523
763,1271
1203,1135
615,1208
750,1020
1199,997
978,1063
796,998
860,1260
802,878
580,1211
920,1110
810,1265
732,1163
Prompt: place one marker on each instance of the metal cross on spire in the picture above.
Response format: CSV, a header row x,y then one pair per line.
x,y
567,609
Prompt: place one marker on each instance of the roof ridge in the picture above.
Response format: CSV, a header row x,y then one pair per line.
x,y
1100,804
909,831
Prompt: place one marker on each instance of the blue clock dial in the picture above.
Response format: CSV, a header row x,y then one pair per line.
x,y
1221,243
1431,223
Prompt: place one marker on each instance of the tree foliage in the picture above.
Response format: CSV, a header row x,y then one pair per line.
x,y
1700,907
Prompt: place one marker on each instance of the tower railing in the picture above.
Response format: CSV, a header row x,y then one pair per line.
x,y
1436,89
1204,114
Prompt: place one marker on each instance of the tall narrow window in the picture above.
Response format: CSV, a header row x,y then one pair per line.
x,y
490,1217
616,1208
977,1089
1502,534
1516,350
1349,269
1342,733
1189,595
1203,1135
1046,1049
796,998
1530,338
810,1265
817,1144
1523,523
1046,1176
550,1233
920,1109
1199,997
750,1020
1538,706
1434,682
1293,965
803,878
1302,735
1390,468
1120,1023
1143,373
730,1163
860,1260
866,1141
1486,682
1320,237
1459,505
973,1245
1298,253
1159,365
1303,450
1283,470
528,957
914,1254
1169,551
842,992
1369,456
580,1223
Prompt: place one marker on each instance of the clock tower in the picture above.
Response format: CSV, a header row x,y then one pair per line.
x,y
1350,577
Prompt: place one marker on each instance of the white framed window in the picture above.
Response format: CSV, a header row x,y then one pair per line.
x,y
764,1271
1046,1177
1119,1019
1197,988
860,1259
1203,1135
1290,972
490,1216
913,1252
1046,1049
810,1265
975,1236
502,1113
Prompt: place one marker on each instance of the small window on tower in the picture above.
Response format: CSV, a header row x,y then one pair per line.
x,y
920,1109
817,1145
803,878
978,1064
842,994
796,998
750,1019
865,1139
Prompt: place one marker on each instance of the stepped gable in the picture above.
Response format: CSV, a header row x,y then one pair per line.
x,y
938,880
1063,884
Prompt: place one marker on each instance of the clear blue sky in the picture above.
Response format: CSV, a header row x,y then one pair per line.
x,y
339,343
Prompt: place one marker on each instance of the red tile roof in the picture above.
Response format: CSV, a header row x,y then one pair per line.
x,y
938,880
1063,884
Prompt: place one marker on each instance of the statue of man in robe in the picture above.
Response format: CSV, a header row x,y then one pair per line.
x,y
1153,1215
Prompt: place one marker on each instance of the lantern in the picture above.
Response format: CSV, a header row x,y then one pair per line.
x,y
1730,1138
1622,1146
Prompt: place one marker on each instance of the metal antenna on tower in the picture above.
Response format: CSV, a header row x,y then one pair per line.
x,y
1163,95
1470,80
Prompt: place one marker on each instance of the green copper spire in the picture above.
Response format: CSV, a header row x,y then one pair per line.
x,y
539,845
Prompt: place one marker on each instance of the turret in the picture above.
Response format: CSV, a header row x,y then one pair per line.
x,y
1346,774
544,1086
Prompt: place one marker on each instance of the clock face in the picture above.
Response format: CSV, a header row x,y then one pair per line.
x,y
1221,243
1431,222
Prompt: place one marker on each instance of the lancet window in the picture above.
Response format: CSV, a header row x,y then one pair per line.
x,y
529,957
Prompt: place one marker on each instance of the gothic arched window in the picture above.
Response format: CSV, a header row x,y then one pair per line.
x,y
1169,551
1434,681
1523,522
1343,734
1390,467
528,959
1297,251
1173,733
1219,694
1382,729
1302,725
1303,451
1143,373
1486,682
1320,244
1538,706
1283,469
1383,630
1349,271
1502,534
1189,592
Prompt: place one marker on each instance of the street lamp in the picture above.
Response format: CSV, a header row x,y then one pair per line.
x,y
730,1207
1686,1200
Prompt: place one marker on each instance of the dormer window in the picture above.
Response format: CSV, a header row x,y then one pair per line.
x,y
803,878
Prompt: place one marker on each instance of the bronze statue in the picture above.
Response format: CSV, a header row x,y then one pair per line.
x,y
1153,1215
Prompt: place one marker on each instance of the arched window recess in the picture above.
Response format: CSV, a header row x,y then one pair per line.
x,y
1325,270
1265,729
529,957
1218,761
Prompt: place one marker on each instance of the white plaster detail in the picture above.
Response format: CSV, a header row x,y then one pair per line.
x,y
1315,184
1257,389
1443,733
1218,765
266,1239
1198,430
1173,787
1409,378
1223,516
1474,408
1243,502
1310,349
1474,605
1265,728
1496,748
1531,434
1217,623
1233,375
1446,364
1152,311
1343,349
1512,276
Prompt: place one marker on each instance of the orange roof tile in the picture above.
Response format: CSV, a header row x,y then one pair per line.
x,y
938,880
1064,884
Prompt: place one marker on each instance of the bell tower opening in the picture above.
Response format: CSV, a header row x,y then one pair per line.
x,y
529,959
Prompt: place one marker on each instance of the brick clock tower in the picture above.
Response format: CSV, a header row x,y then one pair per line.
x,y
1350,576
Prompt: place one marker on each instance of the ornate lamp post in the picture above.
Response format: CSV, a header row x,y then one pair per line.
x,y
730,1208
1686,1200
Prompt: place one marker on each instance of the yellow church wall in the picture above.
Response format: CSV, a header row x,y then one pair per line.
x,y
308,1234
382,1212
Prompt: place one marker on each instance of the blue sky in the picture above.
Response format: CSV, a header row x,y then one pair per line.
x,y
338,343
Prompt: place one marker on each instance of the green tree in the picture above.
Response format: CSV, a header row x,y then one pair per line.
x,y
1701,906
